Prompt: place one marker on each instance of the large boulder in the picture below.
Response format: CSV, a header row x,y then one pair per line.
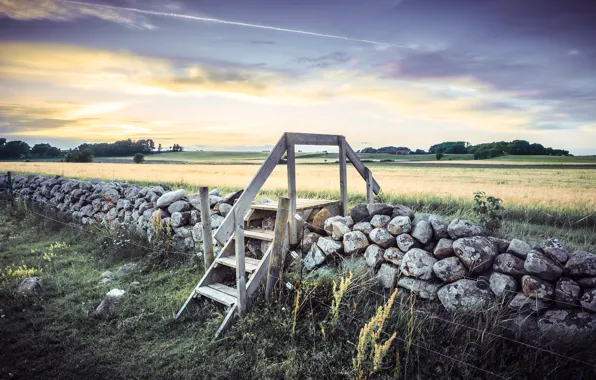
x,y
399,225
519,248
30,286
587,282
537,264
444,249
329,246
459,228
558,255
422,232
401,210
328,225
379,209
450,269
178,206
393,255
320,218
535,287
338,230
524,304
477,253
439,227
567,326
364,227
405,242
106,308
502,285
179,219
373,255
465,295
588,300
387,275
360,213
308,240
508,264
313,258
169,198
355,242
567,293
382,237
581,264
418,263
501,244
423,289
380,221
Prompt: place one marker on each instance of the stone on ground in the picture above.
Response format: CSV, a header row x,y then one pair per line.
x,y
382,237
418,263
466,296
354,242
387,275
476,253
30,286
423,289
399,225
450,269
459,228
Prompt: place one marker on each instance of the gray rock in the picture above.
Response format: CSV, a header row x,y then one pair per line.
x,y
169,198
338,230
355,242
422,232
379,209
105,308
360,213
179,206
106,281
501,244
107,274
558,255
329,246
524,304
567,293
537,264
459,228
508,264
268,223
587,283
364,227
216,221
215,192
387,275
553,243
502,285
308,240
30,286
373,255
116,293
476,253
328,225
423,289
418,263
380,221
519,248
195,217
399,225
444,249
224,209
581,264
535,287
179,219
567,326
314,258
401,210
588,300
195,200
126,269
214,199
393,255
450,269
439,227
382,237
406,242
465,296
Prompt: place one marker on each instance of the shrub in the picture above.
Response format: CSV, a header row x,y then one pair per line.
x,y
439,155
489,210
138,158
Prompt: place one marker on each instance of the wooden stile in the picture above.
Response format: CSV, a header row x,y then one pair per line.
x,y
206,224
276,260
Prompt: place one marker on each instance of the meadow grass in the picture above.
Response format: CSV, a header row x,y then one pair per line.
x,y
54,335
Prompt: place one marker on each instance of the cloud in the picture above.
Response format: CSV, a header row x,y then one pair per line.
x,y
58,10
325,61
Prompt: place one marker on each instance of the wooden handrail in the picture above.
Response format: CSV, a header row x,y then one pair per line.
x,y
360,167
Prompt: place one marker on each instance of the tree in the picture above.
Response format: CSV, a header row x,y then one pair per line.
x,y
159,148
138,158
2,141
77,155
439,155
14,149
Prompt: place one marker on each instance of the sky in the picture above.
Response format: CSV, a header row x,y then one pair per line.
x,y
236,74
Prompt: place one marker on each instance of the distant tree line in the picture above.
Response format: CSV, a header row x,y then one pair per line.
x,y
20,149
126,147
496,149
387,150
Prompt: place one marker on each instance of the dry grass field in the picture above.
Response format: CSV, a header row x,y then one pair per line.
x,y
556,189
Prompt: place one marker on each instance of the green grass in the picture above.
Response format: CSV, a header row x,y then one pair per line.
x,y
54,336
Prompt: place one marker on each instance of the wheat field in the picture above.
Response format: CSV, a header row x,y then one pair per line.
x,y
558,189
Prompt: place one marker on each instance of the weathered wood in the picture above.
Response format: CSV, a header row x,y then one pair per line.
x,y
301,204
250,264
227,322
259,233
369,187
291,164
276,262
259,274
314,139
240,263
355,160
217,295
206,223
225,231
343,175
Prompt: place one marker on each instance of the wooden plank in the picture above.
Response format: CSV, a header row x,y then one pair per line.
x,y
369,187
224,289
355,160
314,139
227,322
230,261
291,166
343,175
301,204
276,261
259,233
216,295
206,225
240,268
259,274
225,231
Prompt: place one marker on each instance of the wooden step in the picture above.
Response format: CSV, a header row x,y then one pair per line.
x,y
259,233
250,264
219,292
301,204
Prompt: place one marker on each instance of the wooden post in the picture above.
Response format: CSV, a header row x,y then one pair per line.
x,y
240,267
275,261
369,187
10,194
206,223
291,150
343,177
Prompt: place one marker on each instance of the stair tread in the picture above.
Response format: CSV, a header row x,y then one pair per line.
x,y
219,292
301,204
259,233
250,264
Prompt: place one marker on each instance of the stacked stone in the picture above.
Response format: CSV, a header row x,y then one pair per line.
x,y
458,264
117,203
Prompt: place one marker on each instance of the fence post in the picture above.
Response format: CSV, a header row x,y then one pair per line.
x,y
291,168
343,177
240,267
275,261
10,194
206,223
369,186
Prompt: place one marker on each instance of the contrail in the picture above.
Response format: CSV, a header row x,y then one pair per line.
x,y
236,23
